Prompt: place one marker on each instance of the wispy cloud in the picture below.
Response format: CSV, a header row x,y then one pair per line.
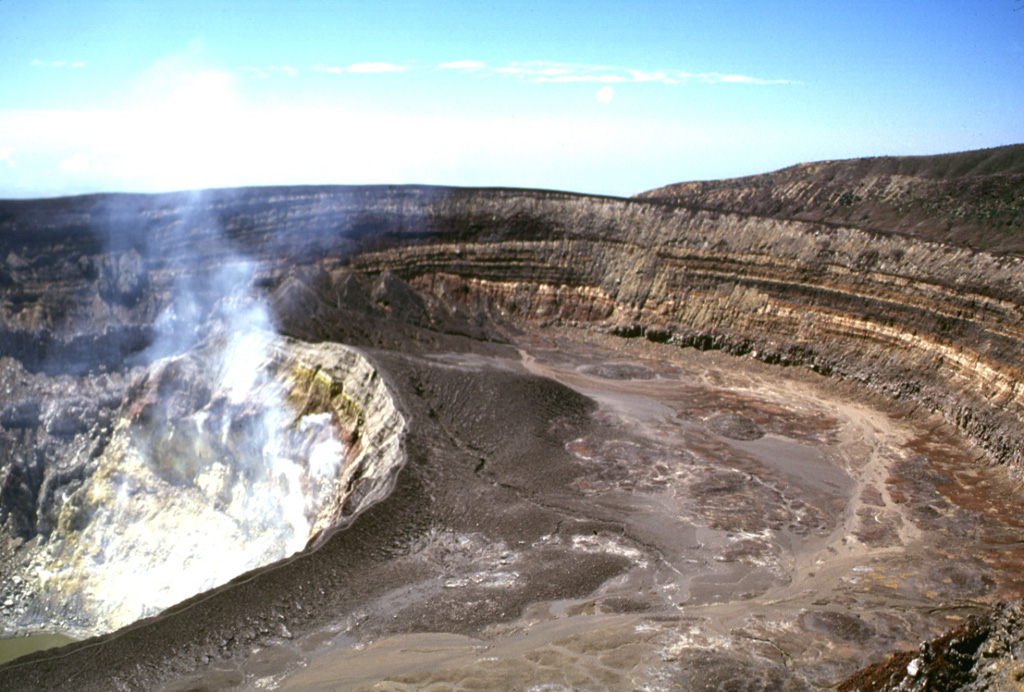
x,y
715,78
267,72
330,69
463,65
570,78
362,68
657,76
208,122
375,67
541,71
57,63
557,72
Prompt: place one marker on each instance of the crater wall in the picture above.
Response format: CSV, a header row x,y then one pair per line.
x,y
935,324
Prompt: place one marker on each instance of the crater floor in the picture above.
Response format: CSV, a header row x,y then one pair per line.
x,y
730,522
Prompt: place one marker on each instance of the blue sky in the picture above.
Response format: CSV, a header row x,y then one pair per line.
x,y
604,97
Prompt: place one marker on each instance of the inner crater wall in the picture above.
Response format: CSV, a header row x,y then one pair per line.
x,y
340,381
184,497
933,324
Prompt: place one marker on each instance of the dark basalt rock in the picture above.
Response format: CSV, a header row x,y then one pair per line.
x,y
984,653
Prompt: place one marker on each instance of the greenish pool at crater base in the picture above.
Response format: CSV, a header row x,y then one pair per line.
x,y
15,647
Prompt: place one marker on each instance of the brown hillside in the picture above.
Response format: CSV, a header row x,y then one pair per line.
x,y
973,199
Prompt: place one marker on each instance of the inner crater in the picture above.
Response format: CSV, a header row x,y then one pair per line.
x,y
231,456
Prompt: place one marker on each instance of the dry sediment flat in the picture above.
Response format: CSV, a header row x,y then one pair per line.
x,y
779,530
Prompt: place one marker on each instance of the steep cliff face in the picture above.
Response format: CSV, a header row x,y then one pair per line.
x,y
933,324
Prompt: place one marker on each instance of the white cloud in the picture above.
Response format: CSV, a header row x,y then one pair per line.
x,y
466,65
570,78
374,67
150,149
76,164
362,68
187,126
541,71
660,76
735,79
263,144
57,63
716,78
544,71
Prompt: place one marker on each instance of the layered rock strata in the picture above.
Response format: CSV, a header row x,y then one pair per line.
x,y
934,324
939,325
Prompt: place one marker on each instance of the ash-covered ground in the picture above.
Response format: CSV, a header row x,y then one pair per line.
x,y
586,512
705,522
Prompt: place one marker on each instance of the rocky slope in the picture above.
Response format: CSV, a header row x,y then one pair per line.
x,y
90,288
983,654
972,198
